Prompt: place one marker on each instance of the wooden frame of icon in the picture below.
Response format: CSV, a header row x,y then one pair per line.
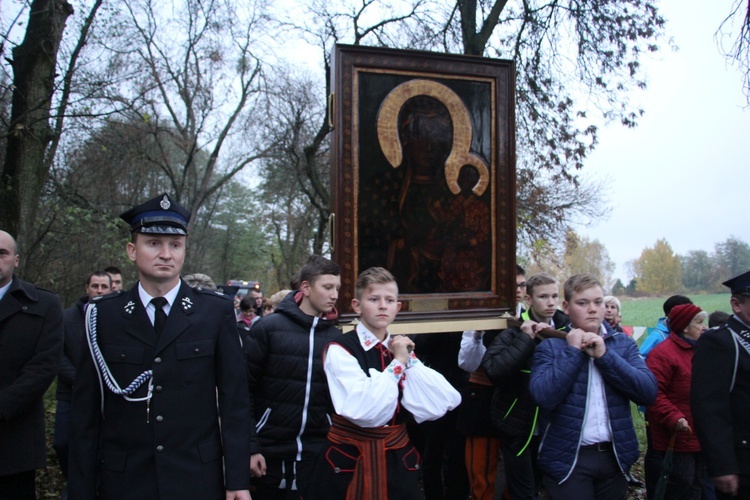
x,y
423,178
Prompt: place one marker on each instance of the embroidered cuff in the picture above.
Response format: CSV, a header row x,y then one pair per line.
x,y
396,369
413,361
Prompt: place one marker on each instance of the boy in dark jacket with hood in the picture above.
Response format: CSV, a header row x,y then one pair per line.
x,y
288,390
584,384
507,364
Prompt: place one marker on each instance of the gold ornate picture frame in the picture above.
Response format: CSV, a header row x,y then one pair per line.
x,y
423,178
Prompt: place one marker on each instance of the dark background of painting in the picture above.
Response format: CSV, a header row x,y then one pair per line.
x,y
379,219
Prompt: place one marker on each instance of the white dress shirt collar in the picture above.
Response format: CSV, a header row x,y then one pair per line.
x,y
367,339
171,296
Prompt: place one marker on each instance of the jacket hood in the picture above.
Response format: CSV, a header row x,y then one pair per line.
x,y
289,307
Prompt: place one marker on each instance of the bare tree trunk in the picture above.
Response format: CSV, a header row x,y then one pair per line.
x,y
25,171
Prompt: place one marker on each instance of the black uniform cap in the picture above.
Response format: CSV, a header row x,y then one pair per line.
x,y
160,215
739,285
228,289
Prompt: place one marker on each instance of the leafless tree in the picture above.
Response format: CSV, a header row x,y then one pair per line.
x,y
736,46
29,132
576,62
197,79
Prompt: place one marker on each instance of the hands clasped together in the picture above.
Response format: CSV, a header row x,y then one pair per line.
x,y
590,343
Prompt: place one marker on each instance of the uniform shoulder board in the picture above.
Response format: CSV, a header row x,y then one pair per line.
x,y
108,296
214,293
42,289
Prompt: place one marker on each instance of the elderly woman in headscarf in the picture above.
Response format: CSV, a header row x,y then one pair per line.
x,y
669,418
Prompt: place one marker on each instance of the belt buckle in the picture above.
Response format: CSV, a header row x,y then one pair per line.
x,y
603,446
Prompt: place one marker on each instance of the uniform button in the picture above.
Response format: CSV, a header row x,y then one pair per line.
x,y
24,308
157,360
744,441
122,356
159,418
160,448
336,470
197,350
158,388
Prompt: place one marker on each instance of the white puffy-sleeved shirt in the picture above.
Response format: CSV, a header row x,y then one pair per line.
x,y
372,401
472,350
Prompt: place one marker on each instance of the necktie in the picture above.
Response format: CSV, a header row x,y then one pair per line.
x,y
160,317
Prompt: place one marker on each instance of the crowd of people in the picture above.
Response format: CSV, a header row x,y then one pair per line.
x,y
170,390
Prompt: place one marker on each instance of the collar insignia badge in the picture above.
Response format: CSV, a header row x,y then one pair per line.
x,y
186,303
129,307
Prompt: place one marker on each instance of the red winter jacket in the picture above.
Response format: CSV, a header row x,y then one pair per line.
x,y
671,363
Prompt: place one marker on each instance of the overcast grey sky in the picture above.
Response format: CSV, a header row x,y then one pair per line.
x,y
682,174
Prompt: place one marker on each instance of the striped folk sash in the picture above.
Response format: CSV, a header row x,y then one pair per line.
x,y
370,480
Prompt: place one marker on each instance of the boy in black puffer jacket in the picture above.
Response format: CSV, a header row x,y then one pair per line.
x,y
507,363
288,389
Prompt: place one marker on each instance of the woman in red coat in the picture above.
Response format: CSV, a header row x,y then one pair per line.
x,y
671,363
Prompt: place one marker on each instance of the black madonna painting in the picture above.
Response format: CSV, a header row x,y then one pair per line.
x,y
424,178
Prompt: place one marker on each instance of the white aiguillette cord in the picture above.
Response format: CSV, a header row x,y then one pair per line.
x,y
105,375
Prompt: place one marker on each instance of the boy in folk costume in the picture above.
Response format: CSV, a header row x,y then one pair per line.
x,y
377,385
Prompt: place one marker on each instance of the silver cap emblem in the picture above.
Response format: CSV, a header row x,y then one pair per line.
x,y
164,203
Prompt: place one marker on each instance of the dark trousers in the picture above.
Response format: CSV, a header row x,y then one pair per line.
x,y
521,474
443,466
685,479
284,480
61,439
18,486
595,475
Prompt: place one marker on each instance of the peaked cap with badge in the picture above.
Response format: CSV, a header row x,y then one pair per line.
x,y
160,215
739,285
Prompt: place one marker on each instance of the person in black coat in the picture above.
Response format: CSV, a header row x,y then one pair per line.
x,y
31,339
98,283
720,395
160,403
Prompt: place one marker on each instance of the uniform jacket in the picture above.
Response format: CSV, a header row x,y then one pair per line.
x,y
671,362
720,400
72,348
31,338
171,447
285,360
507,363
559,384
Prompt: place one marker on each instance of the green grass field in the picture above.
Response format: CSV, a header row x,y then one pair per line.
x,y
645,311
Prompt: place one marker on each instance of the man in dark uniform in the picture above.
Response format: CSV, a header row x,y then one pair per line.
x,y
31,340
160,406
720,395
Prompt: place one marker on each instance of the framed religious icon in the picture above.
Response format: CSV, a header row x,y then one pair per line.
x,y
423,178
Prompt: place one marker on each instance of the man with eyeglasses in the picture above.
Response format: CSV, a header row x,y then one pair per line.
x,y
520,290
482,441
